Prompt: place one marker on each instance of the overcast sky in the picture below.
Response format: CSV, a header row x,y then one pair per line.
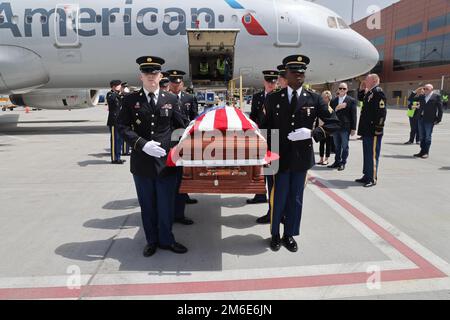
x,y
344,7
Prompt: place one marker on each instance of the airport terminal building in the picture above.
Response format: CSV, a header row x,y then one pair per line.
x,y
414,46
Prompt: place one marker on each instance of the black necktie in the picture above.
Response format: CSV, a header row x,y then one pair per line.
x,y
294,101
152,100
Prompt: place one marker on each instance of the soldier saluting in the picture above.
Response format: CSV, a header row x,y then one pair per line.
x,y
292,112
147,120
371,127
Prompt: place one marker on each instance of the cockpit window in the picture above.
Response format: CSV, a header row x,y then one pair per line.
x,y
332,22
342,24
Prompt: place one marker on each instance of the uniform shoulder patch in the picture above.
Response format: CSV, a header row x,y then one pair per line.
x,y
382,104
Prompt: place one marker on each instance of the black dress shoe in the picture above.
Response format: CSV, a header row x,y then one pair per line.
x,y
275,243
118,162
419,155
341,167
255,201
290,244
362,180
149,250
264,219
408,142
191,201
175,247
370,184
185,221
334,166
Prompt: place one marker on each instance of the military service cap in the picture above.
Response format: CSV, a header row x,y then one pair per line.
x,y
115,83
282,70
176,76
165,80
270,75
149,64
296,63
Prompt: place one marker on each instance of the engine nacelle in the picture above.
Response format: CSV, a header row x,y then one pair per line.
x,y
59,99
20,69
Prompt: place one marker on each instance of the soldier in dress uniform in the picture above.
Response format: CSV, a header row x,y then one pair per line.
x,y
292,112
282,81
147,121
371,127
114,101
164,83
257,115
189,107
125,91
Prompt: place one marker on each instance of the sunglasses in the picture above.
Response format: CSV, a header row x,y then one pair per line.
x,y
342,88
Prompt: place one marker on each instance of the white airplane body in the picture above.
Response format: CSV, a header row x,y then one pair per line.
x,y
46,55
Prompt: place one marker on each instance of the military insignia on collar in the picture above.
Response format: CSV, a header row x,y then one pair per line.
x,y
167,106
370,97
382,104
137,106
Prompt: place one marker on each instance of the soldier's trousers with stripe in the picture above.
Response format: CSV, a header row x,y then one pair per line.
x,y
371,151
286,198
116,143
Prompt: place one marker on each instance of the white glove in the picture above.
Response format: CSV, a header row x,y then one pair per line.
x,y
153,149
300,134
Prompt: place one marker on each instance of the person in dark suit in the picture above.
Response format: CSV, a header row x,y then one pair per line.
x,y
114,101
147,121
430,114
371,127
189,107
290,114
414,118
345,107
257,115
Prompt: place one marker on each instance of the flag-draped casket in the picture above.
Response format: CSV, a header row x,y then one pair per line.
x,y
222,151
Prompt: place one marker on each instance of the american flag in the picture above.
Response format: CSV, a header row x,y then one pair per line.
x,y
224,119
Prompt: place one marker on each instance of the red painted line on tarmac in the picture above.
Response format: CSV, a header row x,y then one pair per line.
x,y
413,256
425,270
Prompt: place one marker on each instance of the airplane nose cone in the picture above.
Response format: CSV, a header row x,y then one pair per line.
x,y
368,54
371,55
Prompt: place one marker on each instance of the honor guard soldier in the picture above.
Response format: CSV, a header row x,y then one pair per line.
x,y
257,115
114,101
164,83
125,91
189,107
282,81
371,126
189,103
147,121
291,113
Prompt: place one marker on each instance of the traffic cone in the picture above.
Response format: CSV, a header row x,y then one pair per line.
x,y
27,109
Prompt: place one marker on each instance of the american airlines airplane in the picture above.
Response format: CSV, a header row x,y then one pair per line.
x,y
51,51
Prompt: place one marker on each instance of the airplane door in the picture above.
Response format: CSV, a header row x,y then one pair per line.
x,y
67,20
206,47
288,26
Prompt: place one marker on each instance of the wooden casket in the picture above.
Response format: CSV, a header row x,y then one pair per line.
x,y
222,151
